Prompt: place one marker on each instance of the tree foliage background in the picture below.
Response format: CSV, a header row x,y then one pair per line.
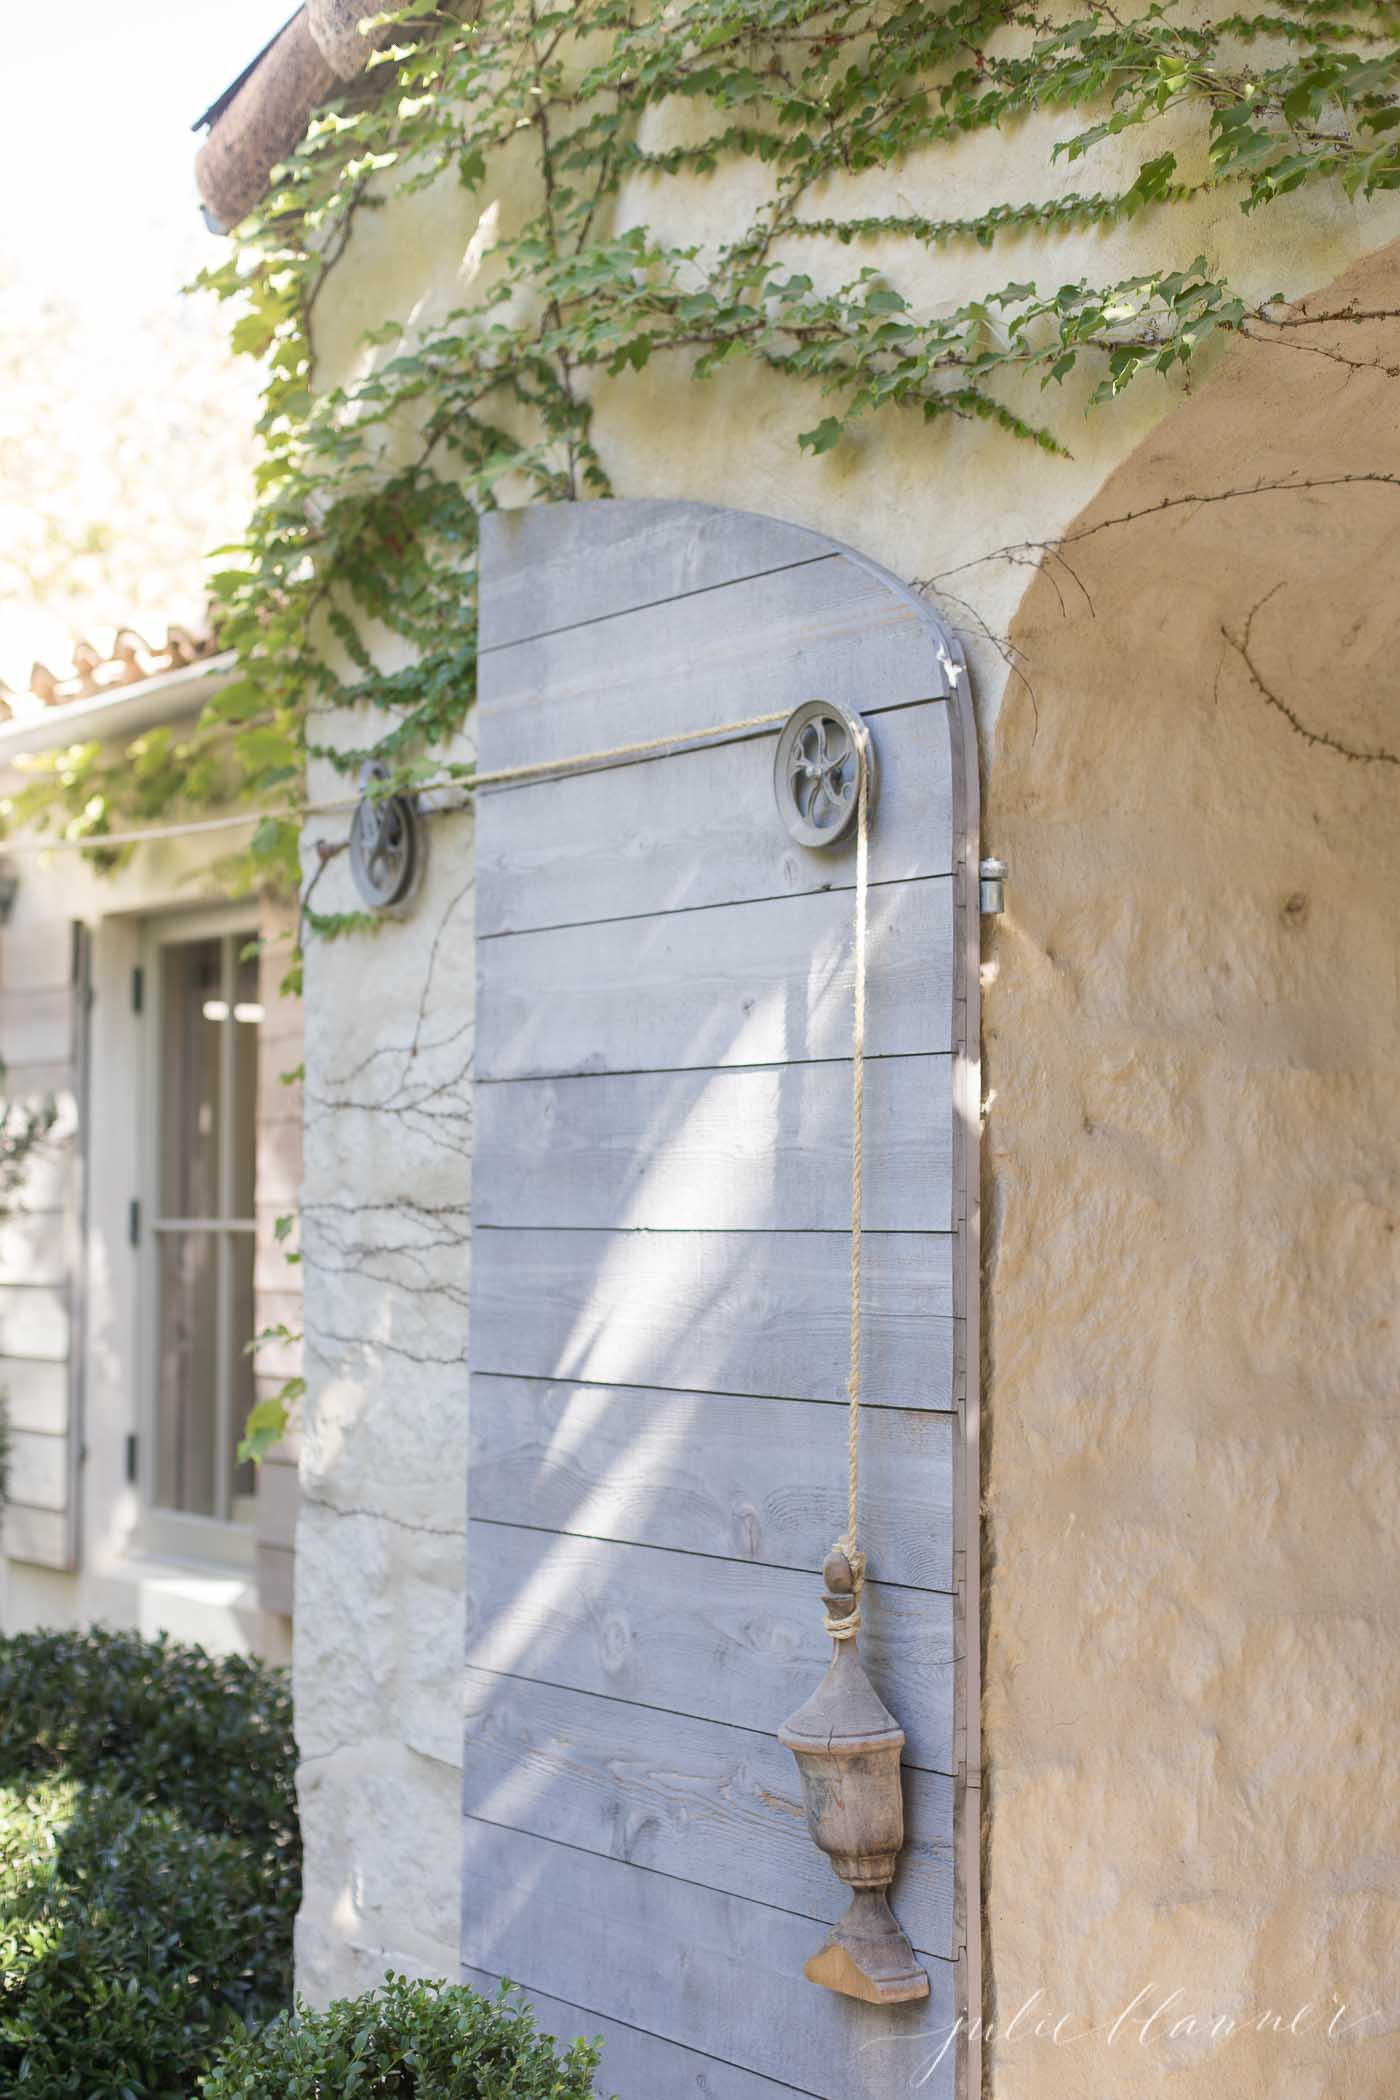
x,y
126,454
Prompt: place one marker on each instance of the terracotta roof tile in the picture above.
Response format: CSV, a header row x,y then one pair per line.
x,y
126,658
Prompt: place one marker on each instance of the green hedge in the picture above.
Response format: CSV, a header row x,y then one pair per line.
x,y
408,2041
150,1865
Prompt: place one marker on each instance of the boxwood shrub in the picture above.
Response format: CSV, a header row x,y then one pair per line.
x,y
149,1862
407,2041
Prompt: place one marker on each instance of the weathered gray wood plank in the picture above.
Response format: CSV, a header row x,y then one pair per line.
x,y
36,958
34,1321
48,1078
750,1148
36,1028
637,2065
50,1175
715,1312
700,827
744,984
43,1048
715,1805
544,567
39,1468
36,1535
825,629
597,1932
734,1476
36,1394
35,1246
49,1171
718,1640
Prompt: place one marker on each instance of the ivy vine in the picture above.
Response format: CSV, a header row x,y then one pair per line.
x,y
369,491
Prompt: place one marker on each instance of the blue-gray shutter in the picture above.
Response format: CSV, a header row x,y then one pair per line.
x,y
44,1000
660,1298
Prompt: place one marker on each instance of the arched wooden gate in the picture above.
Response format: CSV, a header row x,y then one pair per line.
x,y
660,1298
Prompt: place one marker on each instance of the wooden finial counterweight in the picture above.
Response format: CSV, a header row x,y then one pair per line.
x,y
847,1745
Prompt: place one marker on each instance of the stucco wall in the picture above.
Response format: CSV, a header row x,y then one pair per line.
x,y
381,1536
1193,1166
1158,1072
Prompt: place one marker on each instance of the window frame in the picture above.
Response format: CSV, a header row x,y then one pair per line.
x,y
170,1533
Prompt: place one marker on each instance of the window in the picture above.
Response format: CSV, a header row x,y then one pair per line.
x,y
203,1022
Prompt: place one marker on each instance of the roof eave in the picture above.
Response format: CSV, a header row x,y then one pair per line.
x,y
165,697
259,120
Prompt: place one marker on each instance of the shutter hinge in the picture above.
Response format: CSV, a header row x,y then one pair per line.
x,y
133,1222
132,1453
138,989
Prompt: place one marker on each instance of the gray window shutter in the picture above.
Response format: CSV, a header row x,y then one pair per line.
x,y
45,995
659,1297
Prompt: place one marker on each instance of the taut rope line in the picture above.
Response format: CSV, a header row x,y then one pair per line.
x,y
845,1629
580,761
577,762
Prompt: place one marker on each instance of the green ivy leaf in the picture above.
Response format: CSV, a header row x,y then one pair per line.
x,y
268,1422
823,437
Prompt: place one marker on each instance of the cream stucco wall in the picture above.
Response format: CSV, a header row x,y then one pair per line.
x,y
1193,1170
1187,1183
381,1537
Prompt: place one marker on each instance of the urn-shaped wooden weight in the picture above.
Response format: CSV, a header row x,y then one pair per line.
x,y
847,1745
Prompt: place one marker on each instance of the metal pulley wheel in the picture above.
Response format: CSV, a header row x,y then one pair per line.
x,y
388,844
816,772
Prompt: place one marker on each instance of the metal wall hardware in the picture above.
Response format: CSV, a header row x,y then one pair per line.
x,y
388,844
816,772
991,888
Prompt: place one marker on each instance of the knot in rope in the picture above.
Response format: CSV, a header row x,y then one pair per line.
x,y
845,1579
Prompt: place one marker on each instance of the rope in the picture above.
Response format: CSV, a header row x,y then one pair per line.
x,y
847,1627
580,761
96,841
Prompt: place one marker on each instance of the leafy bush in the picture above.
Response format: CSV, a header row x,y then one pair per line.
x,y
209,1736
408,2041
149,1862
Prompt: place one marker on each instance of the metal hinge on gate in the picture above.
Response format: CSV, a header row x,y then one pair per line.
x,y
133,1222
132,1453
138,989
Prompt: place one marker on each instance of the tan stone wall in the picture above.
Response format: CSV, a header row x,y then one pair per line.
x,y
1193,1172
1181,1172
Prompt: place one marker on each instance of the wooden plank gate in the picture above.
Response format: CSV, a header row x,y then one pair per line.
x,y
660,1298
